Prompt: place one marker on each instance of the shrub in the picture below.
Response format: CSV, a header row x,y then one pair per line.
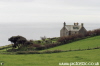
x,y
43,38
48,51
93,33
89,33
51,45
33,52
28,52
21,52
97,32
56,51
40,47
36,45
68,39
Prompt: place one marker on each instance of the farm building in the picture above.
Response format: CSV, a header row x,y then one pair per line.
x,y
72,29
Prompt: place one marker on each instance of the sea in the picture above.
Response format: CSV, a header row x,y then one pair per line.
x,y
34,31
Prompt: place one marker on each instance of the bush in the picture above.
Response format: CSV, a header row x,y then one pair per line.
x,y
34,52
28,52
97,32
48,51
93,33
40,47
56,51
71,38
21,52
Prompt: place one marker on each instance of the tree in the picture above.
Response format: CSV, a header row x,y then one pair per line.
x,y
17,41
28,42
43,38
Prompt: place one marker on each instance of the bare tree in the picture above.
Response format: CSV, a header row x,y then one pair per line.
x,y
43,38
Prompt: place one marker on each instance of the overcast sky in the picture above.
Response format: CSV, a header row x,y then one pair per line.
x,y
19,11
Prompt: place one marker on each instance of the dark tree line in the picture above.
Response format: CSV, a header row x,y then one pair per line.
x,y
18,41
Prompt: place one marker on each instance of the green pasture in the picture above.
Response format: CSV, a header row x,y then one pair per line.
x,y
81,44
50,59
54,59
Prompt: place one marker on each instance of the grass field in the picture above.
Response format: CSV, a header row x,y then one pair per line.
x,y
50,59
81,44
55,58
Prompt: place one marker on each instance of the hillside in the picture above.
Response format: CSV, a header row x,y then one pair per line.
x,y
54,59
81,44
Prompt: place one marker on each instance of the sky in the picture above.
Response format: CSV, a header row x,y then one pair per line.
x,y
37,18
36,11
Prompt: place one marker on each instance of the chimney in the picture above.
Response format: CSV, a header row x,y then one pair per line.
x,y
82,24
76,23
64,24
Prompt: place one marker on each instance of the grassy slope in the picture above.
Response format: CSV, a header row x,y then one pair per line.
x,y
54,58
50,59
82,44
